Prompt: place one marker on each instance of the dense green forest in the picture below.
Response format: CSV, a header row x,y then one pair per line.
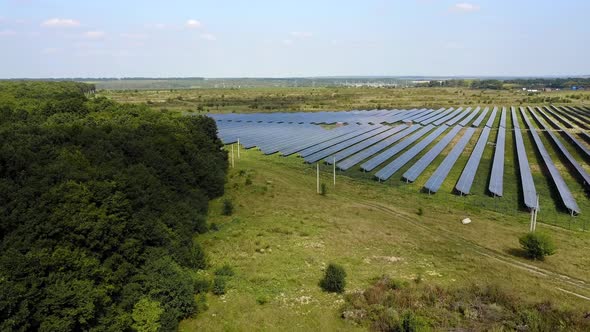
x,y
99,205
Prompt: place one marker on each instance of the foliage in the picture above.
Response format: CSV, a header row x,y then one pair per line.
x,y
334,279
537,245
99,203
146,315
225,270
384,306
323,189
219,285
227,208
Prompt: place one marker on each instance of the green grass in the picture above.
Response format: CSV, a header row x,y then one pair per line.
x,y
282,235
318,99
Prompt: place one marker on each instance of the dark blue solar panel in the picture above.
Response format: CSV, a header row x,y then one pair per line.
x,y
383,156
466,180
564,151
496,186
436,180
368,152
412,174
387,171
364,144
567,198
526,178
312,158
480,118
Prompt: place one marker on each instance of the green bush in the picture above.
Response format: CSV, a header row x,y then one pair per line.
x,y
228,207
537,245
334,279
225,270
202,285
219,285
323,189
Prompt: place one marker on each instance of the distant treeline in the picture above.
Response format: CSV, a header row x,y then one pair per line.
x,y
99,205
100,79
537,83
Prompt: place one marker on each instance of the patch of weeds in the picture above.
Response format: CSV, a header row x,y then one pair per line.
x,y
219,283
225,270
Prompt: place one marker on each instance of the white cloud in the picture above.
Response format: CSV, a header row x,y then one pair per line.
x,y
60,23
193,24
208,36
287,42
94,34
7,32
465,7
301,34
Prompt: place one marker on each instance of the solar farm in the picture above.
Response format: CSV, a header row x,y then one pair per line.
x,y
400,145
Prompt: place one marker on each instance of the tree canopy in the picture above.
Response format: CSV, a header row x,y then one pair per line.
x,y
99,204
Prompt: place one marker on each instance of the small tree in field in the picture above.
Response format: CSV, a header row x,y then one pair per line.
x,y
228,207
334,279
536,245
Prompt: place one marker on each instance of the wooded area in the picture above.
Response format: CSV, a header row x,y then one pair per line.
x,y
99,205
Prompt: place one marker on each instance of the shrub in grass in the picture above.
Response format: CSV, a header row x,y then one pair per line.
x,y
228,207
420,211
218,285
323,189
262,299
225,270
213,227
334,279
202,285
248,181
537,245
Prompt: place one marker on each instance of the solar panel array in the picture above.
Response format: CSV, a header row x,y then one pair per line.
x,y
526,177
564,192
386,141
496,186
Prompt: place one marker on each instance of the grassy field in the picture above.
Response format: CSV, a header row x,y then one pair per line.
x,y
282,235
316,99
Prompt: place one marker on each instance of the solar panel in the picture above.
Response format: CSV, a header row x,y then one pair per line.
x,y
564,192
492,118
312,158
383,156
429,115
571,117
480,118
412,174
470,117
436,180
526,178
368,152
564,151
564,131
466,180
316,148
387,171
496,186
458,117
364,144
447,117
437,117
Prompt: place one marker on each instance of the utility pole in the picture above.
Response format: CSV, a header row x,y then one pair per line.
x,y
334,172
238,148
232,156
318,177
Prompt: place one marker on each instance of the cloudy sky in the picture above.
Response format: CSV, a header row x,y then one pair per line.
x,y
264,38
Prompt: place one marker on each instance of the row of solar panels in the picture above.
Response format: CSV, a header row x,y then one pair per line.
x,y
350,145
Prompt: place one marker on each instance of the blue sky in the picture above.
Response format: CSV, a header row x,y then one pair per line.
x,y
260,38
